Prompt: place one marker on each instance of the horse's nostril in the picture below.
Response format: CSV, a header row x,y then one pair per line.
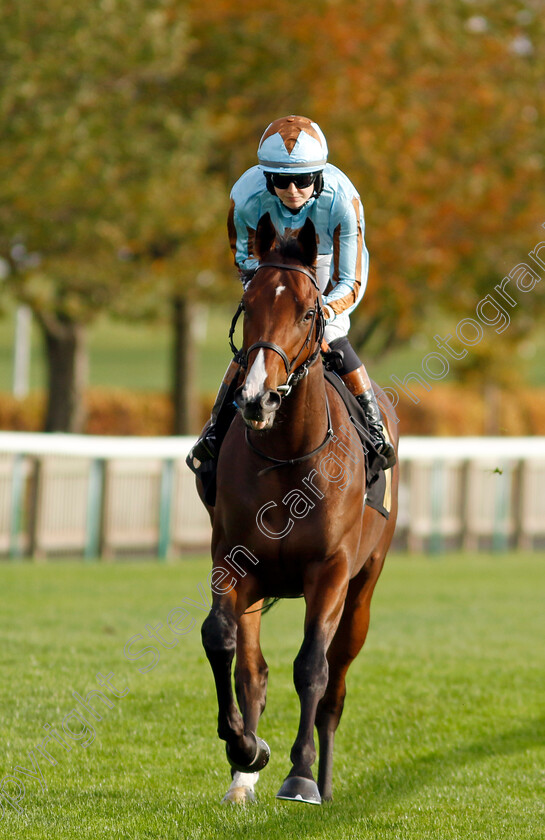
x,y
254,407
271,400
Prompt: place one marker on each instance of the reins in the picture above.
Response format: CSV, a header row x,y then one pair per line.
x,y
279,462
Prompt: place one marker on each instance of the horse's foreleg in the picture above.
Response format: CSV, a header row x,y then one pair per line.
x,y
219,635
251,688
251,671
347,643
325,592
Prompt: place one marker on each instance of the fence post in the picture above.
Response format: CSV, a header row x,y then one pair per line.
x,y
165,507
17,495
500,537
33,504
522,539
95,495
436,501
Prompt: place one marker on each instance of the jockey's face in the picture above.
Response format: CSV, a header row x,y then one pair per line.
x,y
294,197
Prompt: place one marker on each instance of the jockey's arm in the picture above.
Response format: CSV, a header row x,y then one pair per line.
x,y
350,265
240,239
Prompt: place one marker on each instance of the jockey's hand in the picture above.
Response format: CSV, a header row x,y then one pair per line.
x,y
328,312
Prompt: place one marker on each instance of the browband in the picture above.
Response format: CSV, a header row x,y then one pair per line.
x,y
298,268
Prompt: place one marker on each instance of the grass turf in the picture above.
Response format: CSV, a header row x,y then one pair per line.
x,y
443,734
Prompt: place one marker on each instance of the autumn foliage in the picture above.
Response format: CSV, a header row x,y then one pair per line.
x,y
446,410
432,109
128,122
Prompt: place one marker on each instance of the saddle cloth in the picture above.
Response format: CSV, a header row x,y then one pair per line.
x,y
378,480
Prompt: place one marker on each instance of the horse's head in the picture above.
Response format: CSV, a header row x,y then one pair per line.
x,y
283,321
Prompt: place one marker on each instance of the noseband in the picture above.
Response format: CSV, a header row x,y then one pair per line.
x,y
294,373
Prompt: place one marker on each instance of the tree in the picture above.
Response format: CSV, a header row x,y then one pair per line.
x,y
104,173
432,109
130,123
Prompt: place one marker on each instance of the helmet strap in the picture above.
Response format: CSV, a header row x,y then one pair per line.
x,y
268,179
318,184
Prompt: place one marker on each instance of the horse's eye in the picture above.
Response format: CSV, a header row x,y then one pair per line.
x,y
309,315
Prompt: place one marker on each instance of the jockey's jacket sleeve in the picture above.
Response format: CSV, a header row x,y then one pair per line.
x,y
241,240
350,263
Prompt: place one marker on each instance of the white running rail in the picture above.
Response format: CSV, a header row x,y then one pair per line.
x,y
103,496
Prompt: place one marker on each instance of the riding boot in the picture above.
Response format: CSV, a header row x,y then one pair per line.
x,y
206,448
359,384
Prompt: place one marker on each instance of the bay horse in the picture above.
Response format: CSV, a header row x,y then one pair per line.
x,y
289,520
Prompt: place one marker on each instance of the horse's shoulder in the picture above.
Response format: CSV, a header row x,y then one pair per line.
x,y
337,406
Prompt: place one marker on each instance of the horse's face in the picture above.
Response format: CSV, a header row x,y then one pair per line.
x,y
280,311
280,320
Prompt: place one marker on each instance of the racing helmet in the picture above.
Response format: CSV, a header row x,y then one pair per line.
x,y
293,145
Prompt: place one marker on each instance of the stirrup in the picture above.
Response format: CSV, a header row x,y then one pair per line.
x,y
383,446
205,449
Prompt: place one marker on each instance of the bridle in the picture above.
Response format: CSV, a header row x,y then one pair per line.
x,y
294,373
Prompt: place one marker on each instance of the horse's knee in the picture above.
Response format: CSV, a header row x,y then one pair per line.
x,y
311,670
256,676
251,683
219,632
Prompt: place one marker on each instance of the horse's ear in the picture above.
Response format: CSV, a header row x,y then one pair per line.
x,y
307,242
264,236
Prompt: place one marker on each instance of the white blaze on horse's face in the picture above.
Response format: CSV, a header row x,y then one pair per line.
x,y
255,381
257,403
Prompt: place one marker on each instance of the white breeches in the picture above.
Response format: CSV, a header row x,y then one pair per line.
x,y
340,325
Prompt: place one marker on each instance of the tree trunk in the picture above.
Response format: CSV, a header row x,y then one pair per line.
x,y
67,372
183,367
492,406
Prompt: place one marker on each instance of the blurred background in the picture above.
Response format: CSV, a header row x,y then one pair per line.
x,y
125,125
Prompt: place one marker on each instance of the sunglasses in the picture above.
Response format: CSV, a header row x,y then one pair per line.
x,y
301,181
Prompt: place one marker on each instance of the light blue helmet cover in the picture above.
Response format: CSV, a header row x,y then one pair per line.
x,y
292,145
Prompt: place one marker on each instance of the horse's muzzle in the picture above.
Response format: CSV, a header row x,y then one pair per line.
x,y
258,412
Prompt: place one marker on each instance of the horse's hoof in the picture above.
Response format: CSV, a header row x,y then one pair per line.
x,y
299,789
241,791
239,796
259,761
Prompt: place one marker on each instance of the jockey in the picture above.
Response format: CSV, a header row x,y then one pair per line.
x,y
293,182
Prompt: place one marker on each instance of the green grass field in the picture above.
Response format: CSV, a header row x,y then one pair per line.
x,y
443,734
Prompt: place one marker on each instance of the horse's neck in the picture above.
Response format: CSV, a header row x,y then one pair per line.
x,y
302,421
